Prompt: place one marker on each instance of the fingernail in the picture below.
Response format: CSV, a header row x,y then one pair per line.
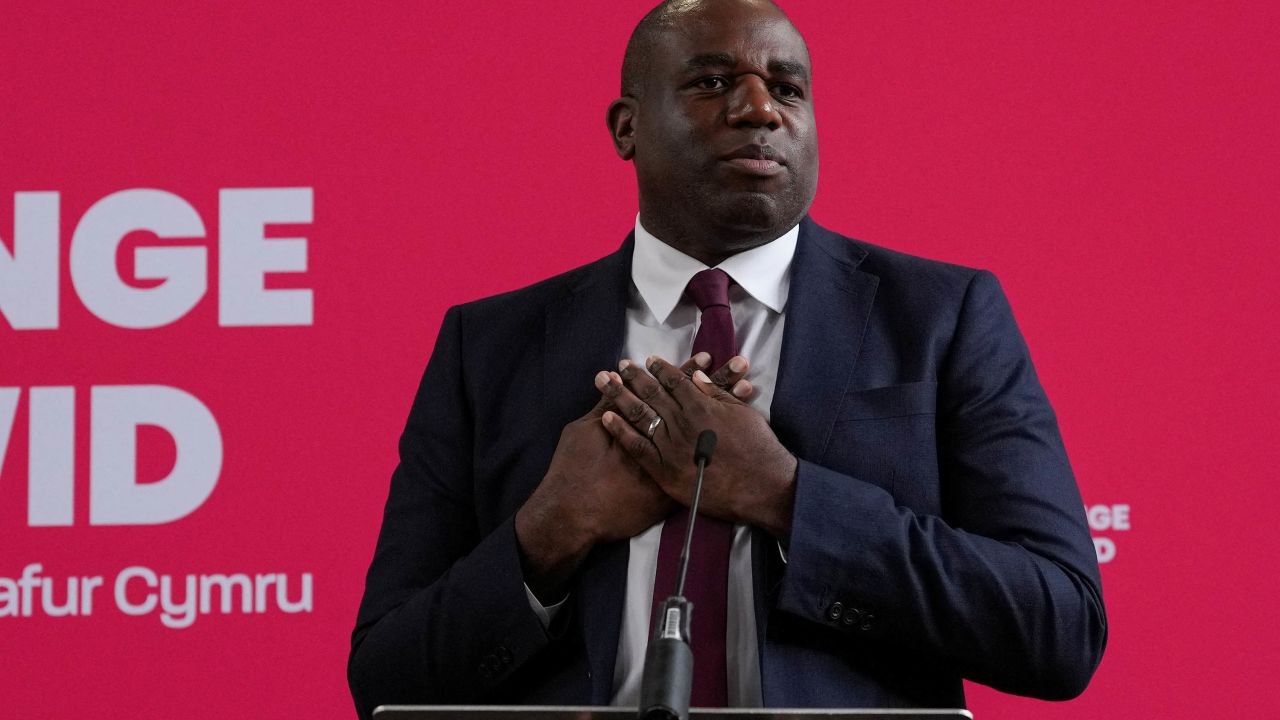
x,y
602,379
737,364
608,417
741,388
701,377
702,359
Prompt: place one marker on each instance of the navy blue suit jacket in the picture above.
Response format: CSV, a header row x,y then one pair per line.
x,y
938,531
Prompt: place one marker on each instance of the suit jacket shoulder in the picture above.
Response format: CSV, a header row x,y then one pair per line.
x,y
910,286
518,306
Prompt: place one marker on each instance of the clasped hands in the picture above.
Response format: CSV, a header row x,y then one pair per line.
x,y
610,479
655,416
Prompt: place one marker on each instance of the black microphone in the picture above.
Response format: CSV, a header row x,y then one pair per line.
x,y
667,681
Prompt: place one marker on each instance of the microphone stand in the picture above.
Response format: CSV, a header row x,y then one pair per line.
x,y
667,681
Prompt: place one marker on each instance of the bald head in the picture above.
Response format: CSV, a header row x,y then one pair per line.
x,y
661,19
717,116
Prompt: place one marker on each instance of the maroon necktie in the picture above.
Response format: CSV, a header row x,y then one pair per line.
x,y
708,579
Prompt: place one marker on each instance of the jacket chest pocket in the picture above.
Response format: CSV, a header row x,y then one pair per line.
x,y
887,436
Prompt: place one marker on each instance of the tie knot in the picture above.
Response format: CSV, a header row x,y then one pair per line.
x,y
709,288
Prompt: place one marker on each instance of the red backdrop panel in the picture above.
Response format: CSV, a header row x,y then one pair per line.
x,y
1116,165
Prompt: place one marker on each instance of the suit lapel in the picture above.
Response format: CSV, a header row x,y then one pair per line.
x,y
826,314
584,335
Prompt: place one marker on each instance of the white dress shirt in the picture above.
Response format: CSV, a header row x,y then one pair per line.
x,y
660,321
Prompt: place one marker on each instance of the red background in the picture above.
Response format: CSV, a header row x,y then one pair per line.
x,y
1116,165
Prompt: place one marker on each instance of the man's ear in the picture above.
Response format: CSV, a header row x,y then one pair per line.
x,y
621,119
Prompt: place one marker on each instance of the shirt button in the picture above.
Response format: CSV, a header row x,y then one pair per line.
x,y
866,621
834,612
852,616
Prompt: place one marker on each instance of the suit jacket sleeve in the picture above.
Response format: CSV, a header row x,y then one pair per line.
x,y
1003,585
445,616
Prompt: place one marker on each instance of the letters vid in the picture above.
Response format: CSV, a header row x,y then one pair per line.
x,y
29,300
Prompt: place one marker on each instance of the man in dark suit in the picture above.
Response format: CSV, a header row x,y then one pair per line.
x,y
890,509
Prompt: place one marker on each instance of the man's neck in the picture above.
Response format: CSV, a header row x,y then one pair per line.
x,y
707,245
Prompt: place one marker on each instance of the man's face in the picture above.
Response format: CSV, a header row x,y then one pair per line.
x,y
724,133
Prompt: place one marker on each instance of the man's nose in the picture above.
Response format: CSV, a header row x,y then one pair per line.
x,y
751,105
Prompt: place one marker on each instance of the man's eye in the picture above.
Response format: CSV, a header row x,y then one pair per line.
x,y
714,82
787,92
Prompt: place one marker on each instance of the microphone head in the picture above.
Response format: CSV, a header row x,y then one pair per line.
x,y
706,447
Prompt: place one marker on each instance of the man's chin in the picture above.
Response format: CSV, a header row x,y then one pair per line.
x,y
751,212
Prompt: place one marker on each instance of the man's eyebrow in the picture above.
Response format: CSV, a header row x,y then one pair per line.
x,y
789,67
709,60
704,61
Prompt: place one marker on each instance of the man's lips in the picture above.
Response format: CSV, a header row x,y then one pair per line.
x,y
756,166
761,160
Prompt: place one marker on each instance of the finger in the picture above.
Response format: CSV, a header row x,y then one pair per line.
x,y
636,412
647,389
731,372
710,389
674,382
635,445
604,403
699,361
742,390
732,377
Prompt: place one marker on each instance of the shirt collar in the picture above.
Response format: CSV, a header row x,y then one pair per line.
x,y
660,272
